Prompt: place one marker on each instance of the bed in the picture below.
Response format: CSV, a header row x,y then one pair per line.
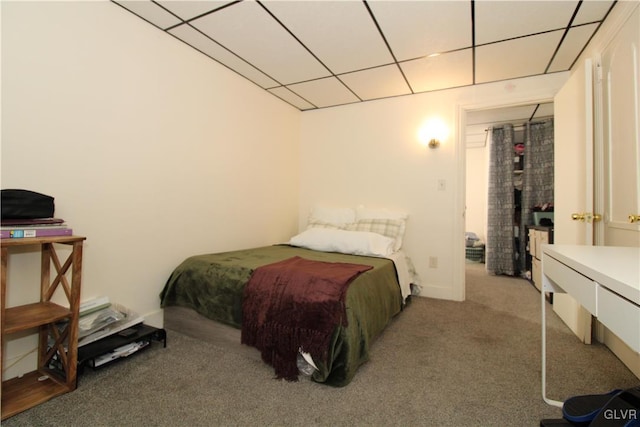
x,y
220,286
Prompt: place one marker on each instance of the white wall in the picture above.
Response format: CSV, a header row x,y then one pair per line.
x,y
152,151
155,152
369,154
477,190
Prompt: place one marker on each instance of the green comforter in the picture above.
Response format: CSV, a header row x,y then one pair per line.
x,y
213,286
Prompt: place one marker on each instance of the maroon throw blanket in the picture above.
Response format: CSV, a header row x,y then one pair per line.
x,y
295,304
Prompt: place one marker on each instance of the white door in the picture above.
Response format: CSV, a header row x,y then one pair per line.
x,y
620,88
619,95
573,186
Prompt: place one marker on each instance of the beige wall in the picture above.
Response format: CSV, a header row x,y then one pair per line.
x,y
151,150
477,190
369,154
155,152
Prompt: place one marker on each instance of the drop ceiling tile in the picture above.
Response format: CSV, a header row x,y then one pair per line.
x,y
502,20
491,116
193,37
324,92
419,28
452,69
592,11
526,56
249,31
380,82
341,34
544,110
575,40
151,12
288,44
291,98
188,9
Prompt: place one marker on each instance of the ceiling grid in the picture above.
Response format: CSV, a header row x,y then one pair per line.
x,y
322,53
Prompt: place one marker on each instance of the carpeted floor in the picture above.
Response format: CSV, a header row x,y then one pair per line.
x,y
440,363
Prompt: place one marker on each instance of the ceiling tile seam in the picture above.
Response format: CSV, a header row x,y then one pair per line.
x,y
170,13
294,36
526,35
216,60
564,36
535,110
342,74
427,91
386,42
224,6
338,105
600,22
351,71
205,35
300,96
307,49
234,54
417,58
188,23
206,54
473,42
139,16
315,107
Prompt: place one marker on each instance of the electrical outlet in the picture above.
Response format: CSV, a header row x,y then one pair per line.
x,y
433,262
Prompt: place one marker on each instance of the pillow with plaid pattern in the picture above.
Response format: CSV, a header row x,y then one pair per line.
x,y
393,228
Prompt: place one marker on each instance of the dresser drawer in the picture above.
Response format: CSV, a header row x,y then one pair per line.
x,y
542,238
621,316
536,273
532,243
581,288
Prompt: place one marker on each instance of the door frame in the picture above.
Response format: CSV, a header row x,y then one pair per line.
x,y
544,95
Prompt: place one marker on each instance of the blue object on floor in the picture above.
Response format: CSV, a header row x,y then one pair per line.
x,y
622,410
583,409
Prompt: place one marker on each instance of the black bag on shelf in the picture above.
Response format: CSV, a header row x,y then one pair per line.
x,y
25,204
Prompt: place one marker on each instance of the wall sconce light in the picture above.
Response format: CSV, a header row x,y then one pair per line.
x,y
432,133
434,143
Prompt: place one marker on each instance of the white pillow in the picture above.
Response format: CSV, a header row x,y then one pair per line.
x,y
335,216
392,228
368,213
344,241
314,223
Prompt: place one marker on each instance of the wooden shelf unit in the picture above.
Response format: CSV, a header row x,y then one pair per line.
x,y
44,383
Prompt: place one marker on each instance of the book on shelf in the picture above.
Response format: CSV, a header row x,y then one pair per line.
x,y
99,319
33,227
19,233
126,320
94,304
21,222
123,351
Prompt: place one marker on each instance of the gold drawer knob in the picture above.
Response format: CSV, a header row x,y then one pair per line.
x,y
634,218
577,217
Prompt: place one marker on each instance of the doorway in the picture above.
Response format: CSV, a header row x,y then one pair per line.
x,y
477,125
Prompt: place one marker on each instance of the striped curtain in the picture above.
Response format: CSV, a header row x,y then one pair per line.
x,y
537,185
500,256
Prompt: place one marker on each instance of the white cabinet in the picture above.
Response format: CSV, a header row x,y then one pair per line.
x,y
538,236
605,280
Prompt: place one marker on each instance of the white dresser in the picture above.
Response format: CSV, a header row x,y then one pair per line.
x,y
603,279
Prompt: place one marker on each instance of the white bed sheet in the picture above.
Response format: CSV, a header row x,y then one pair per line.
x,y
405,278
